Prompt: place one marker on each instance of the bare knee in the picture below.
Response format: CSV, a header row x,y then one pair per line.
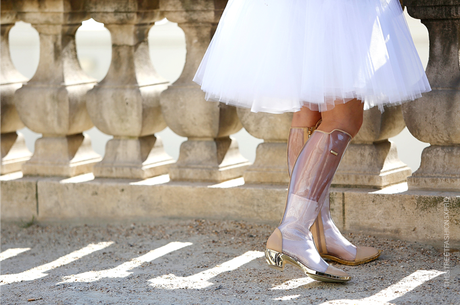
x,y
351,126
305,118
347,117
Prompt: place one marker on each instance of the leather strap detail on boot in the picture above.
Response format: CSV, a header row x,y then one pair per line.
x,y
275,241
297,138
307,132
317,230
314,233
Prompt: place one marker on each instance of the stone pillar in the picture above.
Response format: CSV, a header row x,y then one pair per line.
x,y
53,101
126,103
435,118
270,165
13,148
371,160
209,154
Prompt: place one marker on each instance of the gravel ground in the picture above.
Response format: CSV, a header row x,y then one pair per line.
x,y
214,263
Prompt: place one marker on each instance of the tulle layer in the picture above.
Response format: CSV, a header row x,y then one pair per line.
x,y
277,56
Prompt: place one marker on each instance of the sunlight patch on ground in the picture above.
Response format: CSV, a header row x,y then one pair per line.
x,y
397,290
293,284
287,298
123,269
39,272
12,252
201,280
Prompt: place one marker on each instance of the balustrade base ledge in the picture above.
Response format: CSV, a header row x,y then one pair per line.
x,y
414,215
372,180
211,174
142,171
441,183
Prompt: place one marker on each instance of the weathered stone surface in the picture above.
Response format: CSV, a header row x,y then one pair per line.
x,y
9,13
13,149
270,165
53,101
106,198
337,208
438,170
434,117
433,9
130,92
50,11
66,156
371,165
371,160
141,158
209,160
410,215
19,197
14,152
125,12
182,11
207,125
392,211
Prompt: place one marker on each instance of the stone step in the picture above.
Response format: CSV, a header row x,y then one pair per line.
x,y
422,216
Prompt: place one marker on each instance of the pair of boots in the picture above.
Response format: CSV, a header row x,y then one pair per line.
x,y
307,233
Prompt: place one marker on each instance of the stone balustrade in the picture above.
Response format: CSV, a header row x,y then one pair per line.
x,y
133,103
13,150
435,118
53,101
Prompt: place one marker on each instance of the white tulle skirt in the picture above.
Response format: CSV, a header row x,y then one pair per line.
x,y
279,55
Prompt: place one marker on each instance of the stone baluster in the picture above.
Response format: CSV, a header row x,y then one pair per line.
x,y
125,103
13,149
209,154
371,159
435,118
270,165
53,101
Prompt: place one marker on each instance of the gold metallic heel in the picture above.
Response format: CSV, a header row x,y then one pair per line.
x,y
274,259
278,260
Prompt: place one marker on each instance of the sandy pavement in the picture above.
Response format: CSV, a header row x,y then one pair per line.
x,y
203,262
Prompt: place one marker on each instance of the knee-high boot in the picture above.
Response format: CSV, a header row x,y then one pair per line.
x,y
292,241
329,242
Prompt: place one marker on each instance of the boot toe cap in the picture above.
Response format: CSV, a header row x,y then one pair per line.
x,y
342,275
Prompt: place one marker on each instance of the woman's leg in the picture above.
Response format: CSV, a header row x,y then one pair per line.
x,y
328,239
347,117
292,241
311,177
305,118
